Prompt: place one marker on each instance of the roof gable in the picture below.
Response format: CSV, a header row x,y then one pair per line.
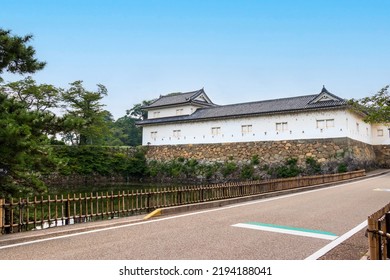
x,y
201,96
324,96
180,98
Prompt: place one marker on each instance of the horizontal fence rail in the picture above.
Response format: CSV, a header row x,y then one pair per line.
x,y
18,215
379,234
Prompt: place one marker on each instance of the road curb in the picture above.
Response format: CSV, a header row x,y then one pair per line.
x,y
155,213
63,230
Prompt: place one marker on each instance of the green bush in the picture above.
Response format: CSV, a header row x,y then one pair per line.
x,y
89,160
289,169
228,168
312,166
255,160
192,163
153,168
209,170
342,168
174,168
181,159
247,171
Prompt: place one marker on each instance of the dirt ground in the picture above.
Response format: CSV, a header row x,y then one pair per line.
x,y
354,248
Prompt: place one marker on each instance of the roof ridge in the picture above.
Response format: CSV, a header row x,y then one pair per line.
x,y
268,100
181,93
177,98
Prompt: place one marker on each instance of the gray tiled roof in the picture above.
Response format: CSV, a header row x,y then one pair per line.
x,y
291,104
178,98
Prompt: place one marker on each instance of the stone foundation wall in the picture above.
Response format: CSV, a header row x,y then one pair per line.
x,y
269,152
382,155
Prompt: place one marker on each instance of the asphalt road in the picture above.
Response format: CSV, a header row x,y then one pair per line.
x,y
210,234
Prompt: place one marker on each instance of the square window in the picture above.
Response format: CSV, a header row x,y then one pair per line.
x,y
320,123
380,132
282,126
177,133
153,135
329,123
245,129
215,131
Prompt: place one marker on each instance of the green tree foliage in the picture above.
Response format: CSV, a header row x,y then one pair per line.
x,y
24,154
41,99
85,120
125,133
16,56
138,112
27,121
376,107
34,97
105,161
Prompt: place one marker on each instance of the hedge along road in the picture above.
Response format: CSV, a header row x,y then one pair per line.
x,y
295,226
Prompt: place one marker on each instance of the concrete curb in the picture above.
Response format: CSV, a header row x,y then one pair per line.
x,y
63,230
155,213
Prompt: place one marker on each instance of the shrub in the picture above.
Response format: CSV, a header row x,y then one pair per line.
x,y
153,168
289,169
342,167
255,160
228,168
209,170
192,162
247,171
89,160
181,159
312,166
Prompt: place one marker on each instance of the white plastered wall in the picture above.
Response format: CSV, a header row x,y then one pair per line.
x,y
380,134
299,126
171,111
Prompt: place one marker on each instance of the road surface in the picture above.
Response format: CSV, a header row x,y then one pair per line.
x,y
289,227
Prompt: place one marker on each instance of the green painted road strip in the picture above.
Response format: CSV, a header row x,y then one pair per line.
x,y
288,230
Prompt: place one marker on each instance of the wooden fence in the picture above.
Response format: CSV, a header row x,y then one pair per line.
x,y
379,234
18,215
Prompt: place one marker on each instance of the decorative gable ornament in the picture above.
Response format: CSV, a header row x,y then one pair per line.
x,y
201,98
198,97
324,96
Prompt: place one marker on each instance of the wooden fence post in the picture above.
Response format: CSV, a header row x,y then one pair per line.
x,y
149,201
387,223
1,215
66,209
373,239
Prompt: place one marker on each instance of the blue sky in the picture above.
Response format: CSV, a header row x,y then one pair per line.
x,y
239,51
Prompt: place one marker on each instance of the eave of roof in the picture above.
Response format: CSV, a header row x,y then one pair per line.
x,y
207,113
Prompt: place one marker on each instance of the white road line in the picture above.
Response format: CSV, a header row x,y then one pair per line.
x,y
292,231
185,215
336,242
382,190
